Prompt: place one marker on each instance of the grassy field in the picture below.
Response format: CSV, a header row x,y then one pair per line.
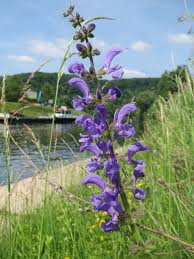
x,y
64,228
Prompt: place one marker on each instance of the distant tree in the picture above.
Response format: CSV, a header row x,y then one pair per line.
x,y
168,81
13,89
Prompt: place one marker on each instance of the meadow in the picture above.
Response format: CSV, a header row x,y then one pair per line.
x,y
66,226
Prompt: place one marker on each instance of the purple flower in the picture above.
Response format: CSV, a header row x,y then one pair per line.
x,y
134,148
117,74
139,194
94,127
138,170
76,68
107,201
93,165
125,130
81,85
116,71
100,116
103,146
94,179
92,148
111,225
81,47
112,172
113,93
121,113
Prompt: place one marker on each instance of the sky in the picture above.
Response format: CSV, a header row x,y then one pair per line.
x,y
33,31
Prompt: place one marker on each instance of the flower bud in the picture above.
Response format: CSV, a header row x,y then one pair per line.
x,y
80,47
91,27
91,70
78,36
96,52
69,11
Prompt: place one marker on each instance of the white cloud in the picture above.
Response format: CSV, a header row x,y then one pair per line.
x,y
181,38
102,45
140,46
133,73
53,49
20,58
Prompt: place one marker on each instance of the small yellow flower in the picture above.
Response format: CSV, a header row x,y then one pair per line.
x,y
101,238
129,195
104,213
139,185
101,221
67,257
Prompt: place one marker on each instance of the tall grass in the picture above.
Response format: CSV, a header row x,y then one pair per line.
x,y
69,230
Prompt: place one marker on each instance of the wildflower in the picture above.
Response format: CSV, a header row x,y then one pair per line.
x,y
134,148
139,194
127,129
116,71
107,201
113,93
81,102
76,68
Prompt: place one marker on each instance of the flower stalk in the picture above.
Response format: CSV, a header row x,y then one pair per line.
x,y
100,133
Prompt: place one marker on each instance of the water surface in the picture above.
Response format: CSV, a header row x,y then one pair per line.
x,y
20,166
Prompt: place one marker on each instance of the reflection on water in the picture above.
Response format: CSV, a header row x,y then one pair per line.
x,y
20,166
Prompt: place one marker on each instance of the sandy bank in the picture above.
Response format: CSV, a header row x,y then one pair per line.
x,y
29,193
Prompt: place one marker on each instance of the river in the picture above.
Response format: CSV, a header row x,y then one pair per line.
x,y
25,158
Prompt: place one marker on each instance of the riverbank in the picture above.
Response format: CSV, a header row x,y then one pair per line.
x,y
29,193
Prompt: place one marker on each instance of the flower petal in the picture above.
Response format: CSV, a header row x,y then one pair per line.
x,y
127,108
76,68
113,93
118,74
94,179
110,55
139,194
81,85
134,148
93,165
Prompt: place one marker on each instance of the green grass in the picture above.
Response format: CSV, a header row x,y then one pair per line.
x,y
68,232
29,110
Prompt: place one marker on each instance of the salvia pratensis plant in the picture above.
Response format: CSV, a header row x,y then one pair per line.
x,y
99,133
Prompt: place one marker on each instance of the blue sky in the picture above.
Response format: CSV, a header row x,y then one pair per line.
x,y
34,30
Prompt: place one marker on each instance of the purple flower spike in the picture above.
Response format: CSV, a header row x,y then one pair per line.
x,y
76,68
139,194
94,179
113,93
126,109
134,148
